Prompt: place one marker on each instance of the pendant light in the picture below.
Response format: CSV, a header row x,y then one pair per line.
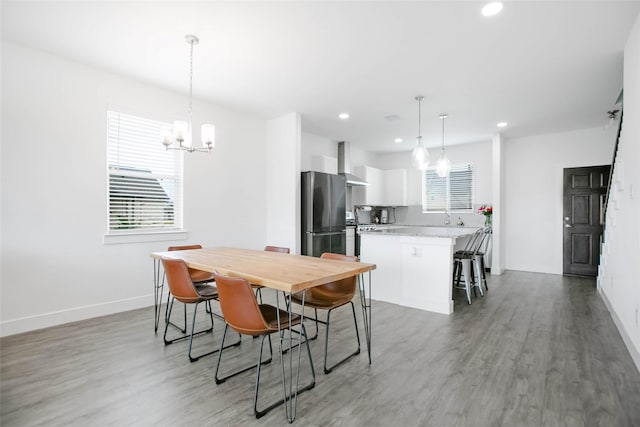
x,y
444,164
420,155
182,132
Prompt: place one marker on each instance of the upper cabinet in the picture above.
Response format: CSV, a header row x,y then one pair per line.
x,y
386,187
324,164
395,187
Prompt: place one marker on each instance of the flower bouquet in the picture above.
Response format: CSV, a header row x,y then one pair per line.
x,y
487,211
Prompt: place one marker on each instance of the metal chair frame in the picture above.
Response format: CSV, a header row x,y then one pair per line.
x,y
260,413
465,259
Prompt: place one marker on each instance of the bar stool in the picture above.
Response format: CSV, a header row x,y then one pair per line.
x,y
465,260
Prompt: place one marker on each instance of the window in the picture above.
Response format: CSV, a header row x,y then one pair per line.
x,y
145,180
452,193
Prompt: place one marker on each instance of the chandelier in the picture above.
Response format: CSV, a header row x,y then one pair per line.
x,y
179,137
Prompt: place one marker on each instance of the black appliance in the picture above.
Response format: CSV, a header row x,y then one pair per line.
x,y
323,213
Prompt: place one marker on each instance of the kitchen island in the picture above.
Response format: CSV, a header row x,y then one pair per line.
x,y
414,264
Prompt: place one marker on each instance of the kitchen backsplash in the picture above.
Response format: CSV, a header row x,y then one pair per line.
x,y
412,215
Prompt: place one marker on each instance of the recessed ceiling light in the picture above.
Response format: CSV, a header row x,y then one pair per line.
x,y
502,124
397,140
491,9
343,116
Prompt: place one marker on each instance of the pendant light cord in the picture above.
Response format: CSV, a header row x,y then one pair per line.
x,y
443,117
191,42
419,99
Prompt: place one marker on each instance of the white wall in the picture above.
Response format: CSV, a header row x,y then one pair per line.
x,y
283,182
54,266
532,217
314,145
619,275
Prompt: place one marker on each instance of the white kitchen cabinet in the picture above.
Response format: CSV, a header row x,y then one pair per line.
x,y
324,164
371,194
395,187
386,187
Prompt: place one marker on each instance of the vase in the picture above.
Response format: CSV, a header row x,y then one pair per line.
x,y
487,220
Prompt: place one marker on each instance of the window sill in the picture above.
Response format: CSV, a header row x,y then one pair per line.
x,y
157,236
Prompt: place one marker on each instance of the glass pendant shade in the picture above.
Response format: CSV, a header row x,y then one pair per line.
x,y
180,131
443,167
420,157
208,135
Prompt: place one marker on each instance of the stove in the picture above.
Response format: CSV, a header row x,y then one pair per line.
x,y
366,227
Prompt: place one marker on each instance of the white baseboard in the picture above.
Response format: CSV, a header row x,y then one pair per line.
x,y
31,323
635,352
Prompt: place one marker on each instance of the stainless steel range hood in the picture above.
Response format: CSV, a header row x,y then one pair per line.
x,y
344,165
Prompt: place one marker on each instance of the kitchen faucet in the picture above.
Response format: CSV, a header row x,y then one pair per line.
x,y
447,218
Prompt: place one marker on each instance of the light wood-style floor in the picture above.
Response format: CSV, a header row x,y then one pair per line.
x,y
536,350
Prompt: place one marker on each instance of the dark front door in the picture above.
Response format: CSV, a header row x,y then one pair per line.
x,y
584,193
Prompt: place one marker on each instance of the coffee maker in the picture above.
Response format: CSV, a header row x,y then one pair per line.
x,y
384,216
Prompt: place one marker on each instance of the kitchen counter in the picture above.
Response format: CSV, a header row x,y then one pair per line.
x,y
423,231
415,264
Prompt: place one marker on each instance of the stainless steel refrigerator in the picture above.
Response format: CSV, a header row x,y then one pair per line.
x,y
323,213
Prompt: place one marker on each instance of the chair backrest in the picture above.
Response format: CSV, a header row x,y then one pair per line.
x,y
179,280
196,275
343,287
277,249
475,240
484,241
239,306
184,248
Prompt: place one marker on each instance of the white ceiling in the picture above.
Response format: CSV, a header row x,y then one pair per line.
x,y
542,66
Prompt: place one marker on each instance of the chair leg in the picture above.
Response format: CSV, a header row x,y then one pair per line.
x,y
478,280
261,413
466,270
195,358
484,272
328,370
222,347
185,336
167,315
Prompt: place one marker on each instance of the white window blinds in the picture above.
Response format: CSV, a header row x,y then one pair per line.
x,y
452,193
145,180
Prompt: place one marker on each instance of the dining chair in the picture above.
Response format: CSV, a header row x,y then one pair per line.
x,y
198,277
183,289
330,296
258,288
466,260
244,315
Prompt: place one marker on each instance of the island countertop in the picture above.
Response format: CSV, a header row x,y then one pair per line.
x,y
423,231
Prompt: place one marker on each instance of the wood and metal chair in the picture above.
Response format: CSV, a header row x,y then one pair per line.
x,y
183,289
466,260
199,278
328,297
244,315
268,248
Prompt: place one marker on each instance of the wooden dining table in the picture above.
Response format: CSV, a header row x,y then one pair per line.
x,y
282,272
